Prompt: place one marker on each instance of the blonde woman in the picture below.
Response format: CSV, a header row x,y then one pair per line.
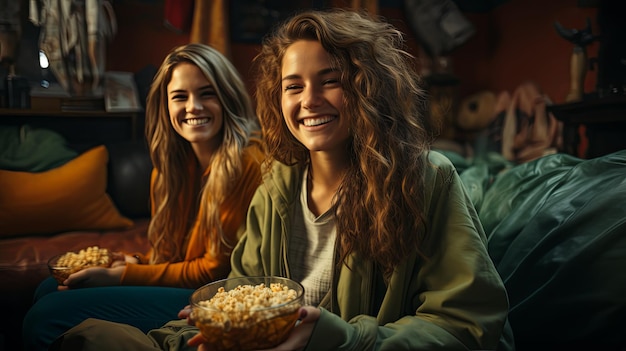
x,y
202,135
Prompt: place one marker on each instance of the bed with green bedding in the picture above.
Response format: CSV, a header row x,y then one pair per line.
x,y
556,230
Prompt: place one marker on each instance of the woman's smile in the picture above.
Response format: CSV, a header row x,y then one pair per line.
x,y
316,121
196,121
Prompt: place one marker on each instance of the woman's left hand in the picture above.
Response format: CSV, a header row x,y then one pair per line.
x,y
297,340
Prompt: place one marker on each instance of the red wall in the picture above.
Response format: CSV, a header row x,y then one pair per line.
x,y
141,37
518,42
513,43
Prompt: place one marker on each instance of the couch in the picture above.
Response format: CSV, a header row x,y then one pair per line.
x,y
122,171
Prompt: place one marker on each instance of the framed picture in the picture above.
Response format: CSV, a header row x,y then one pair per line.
x,y
120,92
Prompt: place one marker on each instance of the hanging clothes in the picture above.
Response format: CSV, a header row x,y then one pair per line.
x,y
207,21
210,25
178,15
10,31
73,34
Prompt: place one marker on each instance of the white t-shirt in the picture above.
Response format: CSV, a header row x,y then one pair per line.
x,y
312,244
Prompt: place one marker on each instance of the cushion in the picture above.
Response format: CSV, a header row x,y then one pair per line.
x,y
70,197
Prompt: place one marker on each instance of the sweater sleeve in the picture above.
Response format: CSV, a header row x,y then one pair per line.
x,y
200,266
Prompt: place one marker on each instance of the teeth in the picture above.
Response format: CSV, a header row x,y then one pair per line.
x,y
196,121
309,122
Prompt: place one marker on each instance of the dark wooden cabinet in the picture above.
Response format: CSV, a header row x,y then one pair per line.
x,y
604,121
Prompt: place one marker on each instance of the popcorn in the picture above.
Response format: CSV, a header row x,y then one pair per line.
x,y
72,262
248,317
91,256
245,304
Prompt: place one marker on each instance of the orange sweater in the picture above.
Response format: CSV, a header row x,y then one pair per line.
x,y
199,266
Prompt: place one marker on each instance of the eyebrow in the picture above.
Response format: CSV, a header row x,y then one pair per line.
x,y
320,73
206,87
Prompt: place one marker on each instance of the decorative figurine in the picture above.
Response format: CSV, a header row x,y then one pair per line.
x,y
578,64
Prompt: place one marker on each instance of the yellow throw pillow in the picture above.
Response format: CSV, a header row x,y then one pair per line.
x,y
70,197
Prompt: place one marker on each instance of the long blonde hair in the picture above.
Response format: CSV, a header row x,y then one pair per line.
x,y
177,190
380,206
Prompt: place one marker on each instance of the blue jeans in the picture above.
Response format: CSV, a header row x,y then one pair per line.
x,y
54,312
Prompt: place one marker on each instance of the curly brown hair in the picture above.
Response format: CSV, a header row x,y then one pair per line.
x,y
380,203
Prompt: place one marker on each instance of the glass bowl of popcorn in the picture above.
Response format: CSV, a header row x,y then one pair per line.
x,y
62,265
247,313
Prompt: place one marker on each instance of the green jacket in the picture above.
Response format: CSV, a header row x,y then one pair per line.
x,y
455,300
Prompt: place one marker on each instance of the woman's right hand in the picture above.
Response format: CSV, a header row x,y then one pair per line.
x,y
93,277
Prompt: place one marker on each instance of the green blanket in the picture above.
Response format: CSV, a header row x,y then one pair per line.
x,y
556,230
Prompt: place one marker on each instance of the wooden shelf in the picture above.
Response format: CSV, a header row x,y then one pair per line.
x,y
85,125
604,120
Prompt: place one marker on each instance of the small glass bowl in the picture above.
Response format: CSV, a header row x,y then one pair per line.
x,y
60,272
255,329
